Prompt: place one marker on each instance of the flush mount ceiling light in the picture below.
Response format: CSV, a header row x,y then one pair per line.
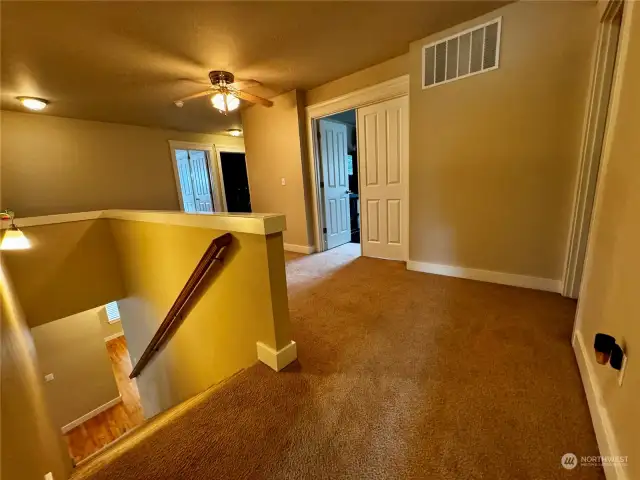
x,y
13,238
225,102
33,103
234,132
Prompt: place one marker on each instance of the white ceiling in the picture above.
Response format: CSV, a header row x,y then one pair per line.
x,y
126,62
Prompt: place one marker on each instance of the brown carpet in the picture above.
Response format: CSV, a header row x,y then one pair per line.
x,y
401,375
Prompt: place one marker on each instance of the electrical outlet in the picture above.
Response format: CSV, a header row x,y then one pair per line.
x,y
48,476
48,377
283,180
623,368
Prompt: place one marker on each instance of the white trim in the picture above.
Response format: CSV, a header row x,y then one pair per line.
x,y
536,283
394,88
79,421
217,149
257,223
277,360
445,40
114,336
587,174
213,176
605,433
290,247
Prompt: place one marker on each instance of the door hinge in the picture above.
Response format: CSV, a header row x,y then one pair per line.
x,y
321,184
324,230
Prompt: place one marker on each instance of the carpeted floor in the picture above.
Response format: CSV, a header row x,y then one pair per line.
x,y
401,375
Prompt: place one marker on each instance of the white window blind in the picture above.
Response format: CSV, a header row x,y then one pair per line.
x,y
113,313
467,53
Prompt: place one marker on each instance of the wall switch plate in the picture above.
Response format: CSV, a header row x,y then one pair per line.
x,y
283,180
623,368
48,377
48,476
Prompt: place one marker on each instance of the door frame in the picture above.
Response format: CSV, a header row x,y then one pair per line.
x,y
218,149
397,87
591,166
213,175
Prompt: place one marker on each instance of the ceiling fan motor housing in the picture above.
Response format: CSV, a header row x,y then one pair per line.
x,y
220,77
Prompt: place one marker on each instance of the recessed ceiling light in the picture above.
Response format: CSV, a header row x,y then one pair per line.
x,y
33,103
234,132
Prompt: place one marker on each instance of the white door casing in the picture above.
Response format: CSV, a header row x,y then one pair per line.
x,y
333,155
383,167
184,178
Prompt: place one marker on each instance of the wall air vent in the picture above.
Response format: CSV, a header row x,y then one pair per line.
x,y
467,53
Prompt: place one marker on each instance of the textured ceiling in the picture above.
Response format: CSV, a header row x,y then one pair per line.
x,y
126,62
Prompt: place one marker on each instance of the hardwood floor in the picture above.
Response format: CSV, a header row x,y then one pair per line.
x,y
99,431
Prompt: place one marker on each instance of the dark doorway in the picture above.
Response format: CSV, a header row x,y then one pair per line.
x,y
236,182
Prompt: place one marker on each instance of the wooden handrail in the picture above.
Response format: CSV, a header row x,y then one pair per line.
x,y
212,256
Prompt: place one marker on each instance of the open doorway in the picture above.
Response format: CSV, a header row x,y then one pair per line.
x,y
234,179
86,367
372,204
340,186
603,77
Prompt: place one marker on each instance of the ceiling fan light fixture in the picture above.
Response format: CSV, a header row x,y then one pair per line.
x,y
225,102
33,103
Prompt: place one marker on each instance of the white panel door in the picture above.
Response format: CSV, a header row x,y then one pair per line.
x,y
383,167
201,181
184,175
333,154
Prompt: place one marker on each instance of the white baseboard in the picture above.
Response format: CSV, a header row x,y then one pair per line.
x,y
280,359
79,421
112,337
605,433
536,283
290,247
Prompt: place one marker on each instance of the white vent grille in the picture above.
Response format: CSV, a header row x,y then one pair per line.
x,y
464,54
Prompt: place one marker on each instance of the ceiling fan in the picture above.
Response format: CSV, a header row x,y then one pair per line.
x,y
225,92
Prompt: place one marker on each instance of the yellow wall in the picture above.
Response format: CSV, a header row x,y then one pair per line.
x,y
73,350
609,296
61,165
246,303
493,158
31,446
71,268
275,148
393,68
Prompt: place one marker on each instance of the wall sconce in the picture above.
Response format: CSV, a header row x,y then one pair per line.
x,y
13,238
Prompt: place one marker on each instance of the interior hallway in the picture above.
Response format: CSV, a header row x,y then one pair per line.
x,y
400,375
104,428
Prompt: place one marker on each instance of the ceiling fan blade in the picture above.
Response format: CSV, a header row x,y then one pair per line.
x,y
241,84
252,98
209,91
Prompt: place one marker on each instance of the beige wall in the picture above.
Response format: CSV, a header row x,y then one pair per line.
x,y
73,350
368,77
246,303
493,158
61,165
609,297
275,142
71,268
31,446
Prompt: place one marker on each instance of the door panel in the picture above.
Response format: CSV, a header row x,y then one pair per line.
x,y
184,175
201,181
333,155
383,143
